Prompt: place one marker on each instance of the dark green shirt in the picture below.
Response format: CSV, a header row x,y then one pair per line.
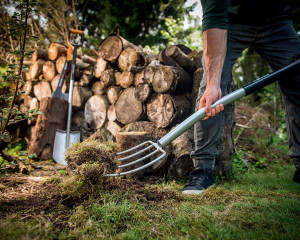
x,y
217,13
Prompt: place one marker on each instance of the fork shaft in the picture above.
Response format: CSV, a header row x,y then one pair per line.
x,y
197,116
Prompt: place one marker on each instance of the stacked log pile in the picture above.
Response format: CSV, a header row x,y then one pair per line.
x,y
122,85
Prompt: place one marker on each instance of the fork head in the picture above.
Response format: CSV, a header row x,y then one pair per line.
x,y
136,151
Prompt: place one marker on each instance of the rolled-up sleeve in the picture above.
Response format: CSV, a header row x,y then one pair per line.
x,y
214,14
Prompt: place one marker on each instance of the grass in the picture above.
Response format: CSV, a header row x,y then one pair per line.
x,y
261,204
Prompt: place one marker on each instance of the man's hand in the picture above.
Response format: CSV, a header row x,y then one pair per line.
x,y
210,96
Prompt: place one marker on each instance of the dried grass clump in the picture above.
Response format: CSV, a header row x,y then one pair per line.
x,y
92,173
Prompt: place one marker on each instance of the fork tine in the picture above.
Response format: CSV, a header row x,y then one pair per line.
x,y
137,153
139,168
138,160
133,148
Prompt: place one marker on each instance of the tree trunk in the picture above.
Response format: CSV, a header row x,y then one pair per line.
x,y
36,69
142,92
113,94
125,80
98,88
42,90
40,54
56,50
111,47
55,81
95,111
128,109
180,58
49,70
130,57
108,77
99,67
54,116
170,79
113,127
80,96
165,110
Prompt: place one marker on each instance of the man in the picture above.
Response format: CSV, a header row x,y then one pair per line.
x,y
237,24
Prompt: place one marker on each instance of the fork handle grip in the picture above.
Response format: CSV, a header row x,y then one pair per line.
x,y
227,99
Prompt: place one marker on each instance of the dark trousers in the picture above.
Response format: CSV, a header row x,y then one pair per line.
x,y
277,44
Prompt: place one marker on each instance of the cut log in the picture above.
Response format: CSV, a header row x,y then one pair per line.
x,y
130,57
180,58
108,77
49,70
172,79
55,81
56,50
128,109
47,152
138,78
149,73
42,90
54,116
90,60
27,101
142,92
125,80
182,164
154,134
98,88
196,58
86,80
34,106
81,65
95,112
80,96
78,123
197,77
36,69
113,127
113,94
111,47
163,58
111,113
126,140
60,62
23,108
165,110
27,88
40,54
99,67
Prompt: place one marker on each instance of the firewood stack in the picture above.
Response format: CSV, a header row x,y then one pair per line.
x,y
122,85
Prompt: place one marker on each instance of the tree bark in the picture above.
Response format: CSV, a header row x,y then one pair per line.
x,y
34,104
180,58
95,111
49,70
56,50
163,58
113,93
170,79
42,90
108,77
165,110
128,109
142,92
88,59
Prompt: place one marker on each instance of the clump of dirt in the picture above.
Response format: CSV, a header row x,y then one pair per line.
x,y
90,152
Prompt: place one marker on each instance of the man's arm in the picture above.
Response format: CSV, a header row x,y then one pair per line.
x,y
214,27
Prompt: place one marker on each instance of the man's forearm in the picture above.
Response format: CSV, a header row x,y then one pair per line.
x,y
214,51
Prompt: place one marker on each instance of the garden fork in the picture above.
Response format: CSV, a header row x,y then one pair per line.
x,y
157,148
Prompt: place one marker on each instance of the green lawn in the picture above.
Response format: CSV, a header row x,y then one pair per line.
x,y
263,204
